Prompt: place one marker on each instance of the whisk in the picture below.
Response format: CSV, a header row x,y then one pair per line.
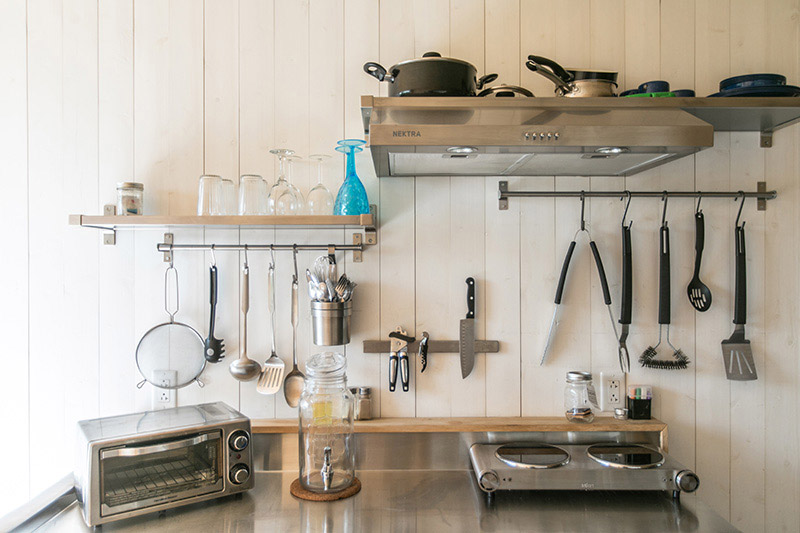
x,y
679,359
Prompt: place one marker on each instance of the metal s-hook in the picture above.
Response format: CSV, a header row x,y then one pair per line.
x,y
583,210
213,256
245,256
272,254
665,199
699,197
294,257
627,205
741,205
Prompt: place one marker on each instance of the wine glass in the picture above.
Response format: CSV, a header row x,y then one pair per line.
x,y
320,199
284,198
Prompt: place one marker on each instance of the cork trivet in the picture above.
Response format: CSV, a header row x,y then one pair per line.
x,y
299,492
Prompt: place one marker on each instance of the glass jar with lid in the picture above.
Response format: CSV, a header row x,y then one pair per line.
x,y
130,198
327,446
579,397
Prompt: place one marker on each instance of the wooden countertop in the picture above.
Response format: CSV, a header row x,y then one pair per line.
x,y
476,424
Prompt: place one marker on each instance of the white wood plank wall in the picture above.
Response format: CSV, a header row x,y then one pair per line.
x,y
95,92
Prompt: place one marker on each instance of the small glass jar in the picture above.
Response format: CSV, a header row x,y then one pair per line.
x,y
363,397
327,446
579,397
130,198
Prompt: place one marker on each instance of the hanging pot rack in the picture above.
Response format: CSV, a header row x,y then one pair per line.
x,y
761,194
168,247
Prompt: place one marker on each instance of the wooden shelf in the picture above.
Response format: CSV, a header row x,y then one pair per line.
x,y
266,221
473,424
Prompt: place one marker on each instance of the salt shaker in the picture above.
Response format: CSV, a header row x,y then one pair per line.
x,y
363,403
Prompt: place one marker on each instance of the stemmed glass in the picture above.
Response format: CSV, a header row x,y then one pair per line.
x,y
320,199
284,198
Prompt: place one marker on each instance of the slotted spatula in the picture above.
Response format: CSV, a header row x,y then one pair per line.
x,y
736,350
272,375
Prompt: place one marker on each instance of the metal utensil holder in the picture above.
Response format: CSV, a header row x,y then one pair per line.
x,y
330,322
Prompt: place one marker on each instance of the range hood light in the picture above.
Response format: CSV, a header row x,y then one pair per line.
x,y
612,150
462,149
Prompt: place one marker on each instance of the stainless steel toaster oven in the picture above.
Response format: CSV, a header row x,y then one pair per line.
x,y
134,464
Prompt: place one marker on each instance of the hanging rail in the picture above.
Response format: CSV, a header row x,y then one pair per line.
x,y
168,246
762,194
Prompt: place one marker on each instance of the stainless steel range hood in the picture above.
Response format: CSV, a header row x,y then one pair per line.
x,y
526,136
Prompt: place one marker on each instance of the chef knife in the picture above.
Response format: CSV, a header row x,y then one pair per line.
x,y
466,339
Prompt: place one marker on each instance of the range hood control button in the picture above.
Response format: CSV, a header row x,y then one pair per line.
x,y
555,135
489,481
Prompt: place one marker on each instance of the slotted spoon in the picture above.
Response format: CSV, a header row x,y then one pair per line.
x,y
698,292
272,374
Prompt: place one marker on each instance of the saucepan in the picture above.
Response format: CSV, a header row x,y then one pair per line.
x,y
430,75
572,82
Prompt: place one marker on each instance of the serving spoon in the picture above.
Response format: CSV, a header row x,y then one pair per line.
x,y
294,382
244,368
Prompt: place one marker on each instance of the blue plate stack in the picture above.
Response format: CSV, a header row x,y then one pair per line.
x,y
756,85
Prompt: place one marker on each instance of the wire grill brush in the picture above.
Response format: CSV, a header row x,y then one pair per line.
x,y
648,359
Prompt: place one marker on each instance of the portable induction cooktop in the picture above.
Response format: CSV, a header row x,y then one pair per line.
x,y
602,466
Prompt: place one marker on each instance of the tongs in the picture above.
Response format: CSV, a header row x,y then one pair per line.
x,y
563,278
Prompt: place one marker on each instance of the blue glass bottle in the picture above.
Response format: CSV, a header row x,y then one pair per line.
x,y
352,197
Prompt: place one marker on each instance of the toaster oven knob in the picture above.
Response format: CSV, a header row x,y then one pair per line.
x,y
239,474
687,481
239,441
489,481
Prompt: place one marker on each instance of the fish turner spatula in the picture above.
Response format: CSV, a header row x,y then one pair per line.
x,y
736,351
272,374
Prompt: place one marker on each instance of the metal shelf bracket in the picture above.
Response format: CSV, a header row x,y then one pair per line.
x,y
766,139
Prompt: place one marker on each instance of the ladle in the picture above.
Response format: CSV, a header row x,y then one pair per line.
x,y
244,368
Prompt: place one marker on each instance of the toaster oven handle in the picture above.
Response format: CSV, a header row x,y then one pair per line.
x,y
157,448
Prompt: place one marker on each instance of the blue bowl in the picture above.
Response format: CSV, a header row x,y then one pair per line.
x,y
752,80
657,86
684,93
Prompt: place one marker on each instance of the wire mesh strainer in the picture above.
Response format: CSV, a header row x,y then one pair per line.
x,y
170,355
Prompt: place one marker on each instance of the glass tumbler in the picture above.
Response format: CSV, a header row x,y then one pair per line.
x,y
327,446
209,196
251,195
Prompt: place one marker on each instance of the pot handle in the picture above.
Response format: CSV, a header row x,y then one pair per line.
x,y
376,70
483,80
535,63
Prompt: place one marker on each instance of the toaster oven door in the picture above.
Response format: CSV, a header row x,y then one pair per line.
x,y
160,471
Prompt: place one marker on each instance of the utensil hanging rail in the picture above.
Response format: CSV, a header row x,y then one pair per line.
x,y
762,194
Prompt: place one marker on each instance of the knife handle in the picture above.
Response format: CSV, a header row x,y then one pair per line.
x,y
564,268
470,298
392,371
404,370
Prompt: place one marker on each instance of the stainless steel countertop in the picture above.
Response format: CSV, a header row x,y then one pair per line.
x,y
420,500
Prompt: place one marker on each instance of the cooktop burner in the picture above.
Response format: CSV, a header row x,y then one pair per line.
x,y
532,455
631,456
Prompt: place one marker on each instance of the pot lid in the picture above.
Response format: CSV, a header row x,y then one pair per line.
x,y
503,90
435,57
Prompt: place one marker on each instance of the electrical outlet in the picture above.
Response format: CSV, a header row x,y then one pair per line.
x,y
612,393
164,398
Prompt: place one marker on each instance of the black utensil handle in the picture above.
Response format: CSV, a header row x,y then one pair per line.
x,y
470,298
212,298
374,69
404,370
601,272
627,277
406,338
663,277
699,240
557,69
564,268
483,80
740,304
392,371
